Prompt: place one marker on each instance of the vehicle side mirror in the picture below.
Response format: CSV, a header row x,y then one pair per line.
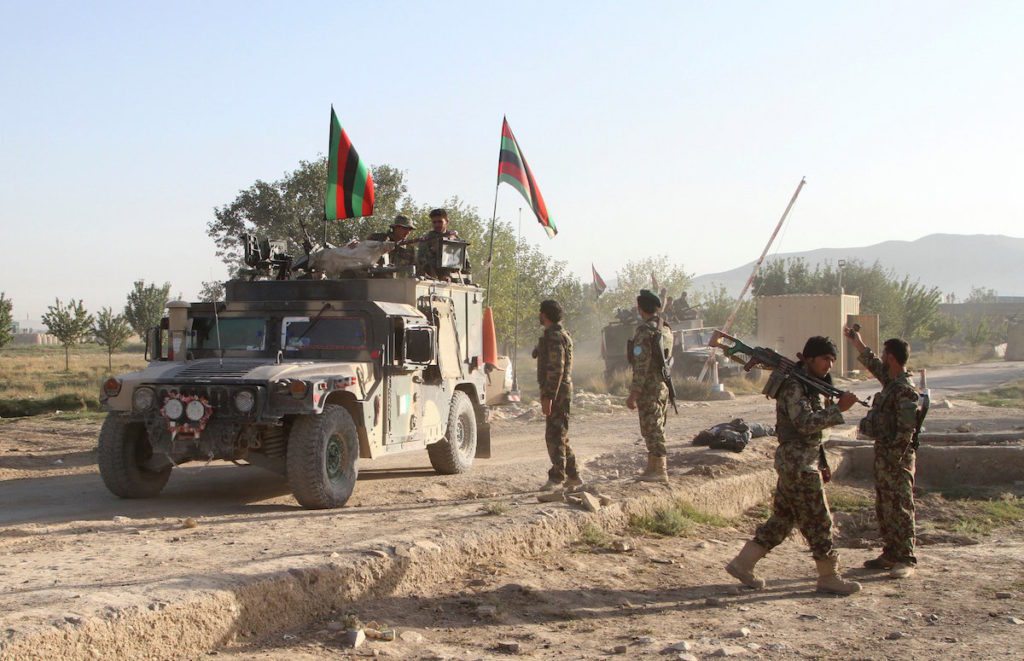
x,y
420,345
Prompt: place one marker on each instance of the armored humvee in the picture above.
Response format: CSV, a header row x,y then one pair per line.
x,y
304,377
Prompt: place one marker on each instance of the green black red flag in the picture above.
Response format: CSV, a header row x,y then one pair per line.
x,y
599,285
513,170
349,183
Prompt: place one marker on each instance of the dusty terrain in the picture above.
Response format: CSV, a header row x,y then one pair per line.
x,y
79,565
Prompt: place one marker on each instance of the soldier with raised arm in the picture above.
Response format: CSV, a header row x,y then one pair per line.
x,y
399,230
648,391
892,422
799,500
554,375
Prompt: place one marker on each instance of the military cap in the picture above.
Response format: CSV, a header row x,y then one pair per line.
x,y
402,221
650,297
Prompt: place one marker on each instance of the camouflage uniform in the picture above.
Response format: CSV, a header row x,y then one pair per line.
x,y
554,375
799,498
651,392
894,410
401,255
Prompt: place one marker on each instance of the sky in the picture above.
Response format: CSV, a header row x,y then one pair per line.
x,y
676,128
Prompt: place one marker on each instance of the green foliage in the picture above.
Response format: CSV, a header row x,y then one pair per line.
x,y
1008,396
592,535
906,309
70,325
636,275
984,516
981,295
279,210
716,305
944,327
111,332
674,520
978,331
145,306
212,291
495,508
6,320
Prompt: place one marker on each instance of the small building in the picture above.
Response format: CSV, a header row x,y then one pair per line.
x,y
785,322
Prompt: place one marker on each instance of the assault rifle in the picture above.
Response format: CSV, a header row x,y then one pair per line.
x,y
665,366
751,357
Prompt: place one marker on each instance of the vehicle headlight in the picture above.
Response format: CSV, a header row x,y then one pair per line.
x,y
195,410
173,408
244,401
142,399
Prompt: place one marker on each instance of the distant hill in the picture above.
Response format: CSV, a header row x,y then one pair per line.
x,y
952,262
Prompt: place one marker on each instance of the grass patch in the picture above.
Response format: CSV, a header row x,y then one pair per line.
x,y
495,509
744,386
592,535
981,517
841,499
674,520
1008,396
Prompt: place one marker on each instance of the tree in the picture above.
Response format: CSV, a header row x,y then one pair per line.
x,y
279,210
70,325
981,295
943,328
212,292
636,275
716,305
920,306
145,306
111,331
6,320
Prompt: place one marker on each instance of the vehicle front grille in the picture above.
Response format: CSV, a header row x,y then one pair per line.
x,y
212,369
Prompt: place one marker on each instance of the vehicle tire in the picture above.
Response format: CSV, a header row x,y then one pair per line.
x,y
454,453
322,454
124,449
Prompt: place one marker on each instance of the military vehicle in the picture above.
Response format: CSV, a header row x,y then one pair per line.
x,y
689,346
305,375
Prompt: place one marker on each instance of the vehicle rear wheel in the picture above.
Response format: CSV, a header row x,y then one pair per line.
x,y
454,453
322,454
125,455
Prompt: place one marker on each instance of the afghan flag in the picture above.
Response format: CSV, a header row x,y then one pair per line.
x,y
599,285
349,183
513,170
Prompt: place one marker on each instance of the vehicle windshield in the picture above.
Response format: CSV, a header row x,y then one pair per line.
x,y
236,334
309,336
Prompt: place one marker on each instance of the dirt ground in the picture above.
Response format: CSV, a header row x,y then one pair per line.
x,y
69,551
670,597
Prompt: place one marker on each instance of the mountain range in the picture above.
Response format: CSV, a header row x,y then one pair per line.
x,y
955,263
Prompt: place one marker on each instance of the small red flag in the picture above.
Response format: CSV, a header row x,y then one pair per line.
x,y
599,285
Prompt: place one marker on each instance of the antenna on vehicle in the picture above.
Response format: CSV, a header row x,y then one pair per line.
x,y
216,324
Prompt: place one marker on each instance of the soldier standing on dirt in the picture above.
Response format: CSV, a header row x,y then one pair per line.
x,y
554,375
403,255
799,498
648,391
892,422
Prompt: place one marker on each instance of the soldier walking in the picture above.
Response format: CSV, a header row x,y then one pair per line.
x,y
648,392
892,422
799,498
554,375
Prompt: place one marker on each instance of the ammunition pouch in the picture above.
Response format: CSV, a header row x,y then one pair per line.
x,y
771,388
869,425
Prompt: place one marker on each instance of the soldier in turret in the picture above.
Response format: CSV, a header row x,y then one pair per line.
x,y
648,391
554,375
400,228
426,256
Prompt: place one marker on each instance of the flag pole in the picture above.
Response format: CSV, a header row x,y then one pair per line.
x,y
490,249
515,334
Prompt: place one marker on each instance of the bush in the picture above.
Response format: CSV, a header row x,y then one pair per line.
x,y
19,408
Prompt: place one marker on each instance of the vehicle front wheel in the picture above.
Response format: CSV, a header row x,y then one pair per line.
x,y
322,454
454,453
126,459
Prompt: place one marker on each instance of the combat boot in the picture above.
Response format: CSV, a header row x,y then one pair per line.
x,y
657,470
551,485
902,570
573,481
829,579
742,566
881,563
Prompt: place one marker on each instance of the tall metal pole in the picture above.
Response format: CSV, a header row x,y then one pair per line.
x,y
515,333
490,249
753,274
